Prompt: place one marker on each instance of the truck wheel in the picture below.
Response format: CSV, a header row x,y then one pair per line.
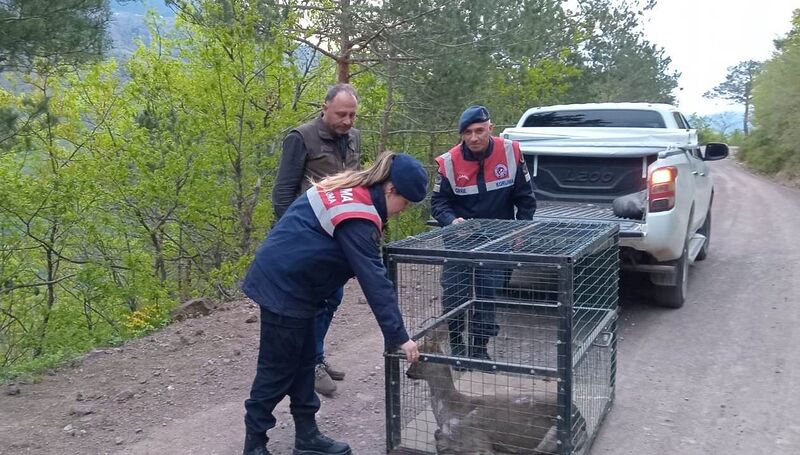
x,y
674,296
705,229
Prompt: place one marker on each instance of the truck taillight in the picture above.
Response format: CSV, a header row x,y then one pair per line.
x,y
661,196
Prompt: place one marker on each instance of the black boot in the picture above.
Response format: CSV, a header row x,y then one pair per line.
x,y
309,441
477,349
255,443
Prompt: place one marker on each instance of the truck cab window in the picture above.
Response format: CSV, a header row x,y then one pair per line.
x,y
680,121
605,118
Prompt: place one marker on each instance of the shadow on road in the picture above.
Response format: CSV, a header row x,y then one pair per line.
x,y
636,295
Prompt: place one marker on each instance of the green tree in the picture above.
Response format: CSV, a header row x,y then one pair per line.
x,y
499,53
618,63
772,147
738,87
60,31
47,200
207,117
705,132
127,188
125,194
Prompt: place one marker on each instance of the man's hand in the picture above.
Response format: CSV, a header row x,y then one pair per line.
x,y
410,348
458,220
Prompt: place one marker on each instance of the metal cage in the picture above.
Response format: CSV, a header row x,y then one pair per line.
x,y
517,328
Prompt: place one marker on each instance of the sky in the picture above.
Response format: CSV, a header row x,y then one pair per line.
x,y
705,37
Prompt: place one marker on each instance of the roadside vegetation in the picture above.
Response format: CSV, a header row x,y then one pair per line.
x,y
774,146
129,186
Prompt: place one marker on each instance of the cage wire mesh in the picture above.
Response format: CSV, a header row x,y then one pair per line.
x,y
516,322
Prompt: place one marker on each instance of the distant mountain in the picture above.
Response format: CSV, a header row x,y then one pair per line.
x,y
140,7
725,122
128,24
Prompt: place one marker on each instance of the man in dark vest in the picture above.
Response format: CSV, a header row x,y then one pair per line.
x,y
325,146
483,176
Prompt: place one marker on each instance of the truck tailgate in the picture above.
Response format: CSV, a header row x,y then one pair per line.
x,y
589,211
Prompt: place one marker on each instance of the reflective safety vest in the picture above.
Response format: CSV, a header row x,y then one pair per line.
x,y
499,168
334,206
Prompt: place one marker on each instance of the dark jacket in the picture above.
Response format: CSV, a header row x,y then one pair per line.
x,y
489,187
304,259
311,151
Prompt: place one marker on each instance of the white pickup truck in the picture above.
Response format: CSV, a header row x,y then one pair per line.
x,y
637,164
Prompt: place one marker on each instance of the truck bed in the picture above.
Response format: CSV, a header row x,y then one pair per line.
x,y
589,211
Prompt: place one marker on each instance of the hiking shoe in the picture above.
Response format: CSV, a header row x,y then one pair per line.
x,y
336,375
317,443
323,383
480,354
255,443
477,349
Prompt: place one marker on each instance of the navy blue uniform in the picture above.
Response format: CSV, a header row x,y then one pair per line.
x,y
323,240
491,187
487,187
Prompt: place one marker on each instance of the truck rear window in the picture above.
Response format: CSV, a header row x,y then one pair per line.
x,y
606,118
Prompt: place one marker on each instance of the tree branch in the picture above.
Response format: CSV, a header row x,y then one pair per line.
x,y
8,290
316,47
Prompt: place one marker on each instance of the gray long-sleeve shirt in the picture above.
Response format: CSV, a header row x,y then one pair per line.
x,y
290,173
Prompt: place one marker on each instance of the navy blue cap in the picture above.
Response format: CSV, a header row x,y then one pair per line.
x,y
409,177
473,114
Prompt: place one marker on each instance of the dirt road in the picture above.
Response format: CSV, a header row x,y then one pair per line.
x,y
721,374
718,376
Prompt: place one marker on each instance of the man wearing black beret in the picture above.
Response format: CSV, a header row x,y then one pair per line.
x,y
483,176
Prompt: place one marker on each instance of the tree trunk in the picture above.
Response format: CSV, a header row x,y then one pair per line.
x,y
87,314
346,45
387,110
748,98
343,70
159,265
746,117
50,294
246,218
183,290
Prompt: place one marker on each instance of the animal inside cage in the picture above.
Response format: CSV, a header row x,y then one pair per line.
x,y
516,322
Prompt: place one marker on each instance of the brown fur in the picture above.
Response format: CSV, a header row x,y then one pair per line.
x,y
517,423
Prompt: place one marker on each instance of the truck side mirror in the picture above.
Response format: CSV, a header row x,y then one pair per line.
x,y
715,151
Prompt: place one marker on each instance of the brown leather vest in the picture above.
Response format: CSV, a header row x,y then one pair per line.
x,y
325,156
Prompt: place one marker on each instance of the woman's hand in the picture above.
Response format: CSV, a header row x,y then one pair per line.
x,y
410,348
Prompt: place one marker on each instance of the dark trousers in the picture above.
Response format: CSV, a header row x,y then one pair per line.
x,y
323,322
285,367
460,284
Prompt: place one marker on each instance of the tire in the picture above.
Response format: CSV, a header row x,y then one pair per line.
x,y
675,296
705,229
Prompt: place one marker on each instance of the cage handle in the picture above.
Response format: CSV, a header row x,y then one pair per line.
x,y
607,337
